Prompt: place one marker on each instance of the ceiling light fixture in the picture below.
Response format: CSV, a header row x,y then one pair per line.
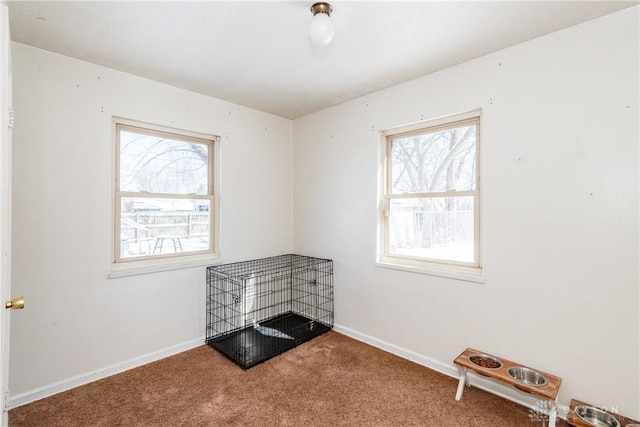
x,y
321,28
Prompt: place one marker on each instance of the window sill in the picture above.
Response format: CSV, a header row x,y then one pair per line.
x,y
451,274
134,268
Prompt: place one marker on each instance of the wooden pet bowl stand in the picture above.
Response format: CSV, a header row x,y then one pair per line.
x,y
548,392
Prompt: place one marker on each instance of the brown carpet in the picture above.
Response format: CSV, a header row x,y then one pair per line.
x,y
332,380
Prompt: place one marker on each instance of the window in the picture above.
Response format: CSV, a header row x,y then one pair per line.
x,y
165,204
430,196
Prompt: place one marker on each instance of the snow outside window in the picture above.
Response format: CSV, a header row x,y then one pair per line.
x,y
430,195
164,198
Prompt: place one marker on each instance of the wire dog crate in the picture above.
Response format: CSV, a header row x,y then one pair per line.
x,y
261,308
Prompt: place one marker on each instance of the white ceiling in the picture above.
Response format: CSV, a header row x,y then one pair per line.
x,y
259,54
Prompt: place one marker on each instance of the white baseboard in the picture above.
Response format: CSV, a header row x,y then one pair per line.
x,y
78,380
484,383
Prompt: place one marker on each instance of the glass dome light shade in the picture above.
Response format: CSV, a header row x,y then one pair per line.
x,y
321,29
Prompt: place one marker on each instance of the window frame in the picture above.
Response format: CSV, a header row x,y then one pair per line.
x,y
471,271
150,263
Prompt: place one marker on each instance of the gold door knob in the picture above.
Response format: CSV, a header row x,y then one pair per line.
x,y
16,303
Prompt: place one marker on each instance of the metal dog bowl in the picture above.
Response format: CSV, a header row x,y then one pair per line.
x,y
485,361
596,417
527,376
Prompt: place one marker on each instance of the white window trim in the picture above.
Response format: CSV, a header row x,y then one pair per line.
x,y
463,271
134,268
455,273
129,267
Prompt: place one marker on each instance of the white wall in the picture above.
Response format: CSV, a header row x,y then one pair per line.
x,y
559,212
77,321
